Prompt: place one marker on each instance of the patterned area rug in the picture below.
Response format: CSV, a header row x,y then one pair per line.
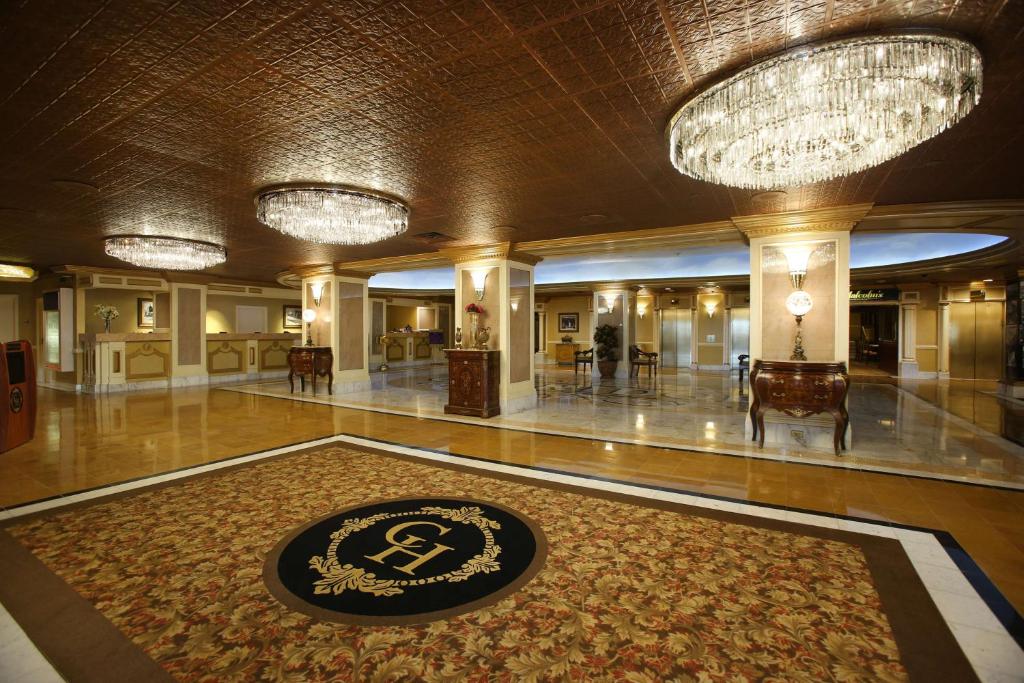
x,y
167,582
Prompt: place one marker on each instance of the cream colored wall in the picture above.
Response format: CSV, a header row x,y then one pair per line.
x,y
710,353
126,303
26,308
645,326
220,312
568,304
819,326
400,316
927,329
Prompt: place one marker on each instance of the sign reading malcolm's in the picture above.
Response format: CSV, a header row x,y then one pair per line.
x,y
405,561
885,294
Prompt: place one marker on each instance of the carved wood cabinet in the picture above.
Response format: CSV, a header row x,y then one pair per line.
x,y
799,389
565,353
310,360
473,377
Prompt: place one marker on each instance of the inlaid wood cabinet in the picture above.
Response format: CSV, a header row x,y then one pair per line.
x,y
473,377
313,361
799,389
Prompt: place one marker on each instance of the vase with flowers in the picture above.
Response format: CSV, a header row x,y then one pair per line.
x,y
474,310
106,314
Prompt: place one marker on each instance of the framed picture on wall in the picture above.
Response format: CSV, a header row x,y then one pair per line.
x,y
145,313
568,322
292,316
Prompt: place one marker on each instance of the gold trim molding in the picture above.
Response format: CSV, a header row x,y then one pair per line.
x,y
502,251
838,219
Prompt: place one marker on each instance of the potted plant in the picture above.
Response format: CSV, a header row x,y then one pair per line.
x,y
606,338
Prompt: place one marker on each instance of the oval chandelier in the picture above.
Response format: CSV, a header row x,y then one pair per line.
x,y
331,215
165,253
826,110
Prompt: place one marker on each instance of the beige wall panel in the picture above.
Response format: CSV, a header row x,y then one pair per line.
x,y
645,325
146,360
780,326
273,354
350,312
400,316
220,312
320,329
519,325
568,304
162,302
927,360
190,327
26,309
225,356
126,303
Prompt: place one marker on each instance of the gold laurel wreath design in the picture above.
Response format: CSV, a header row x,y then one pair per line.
x,y
338,578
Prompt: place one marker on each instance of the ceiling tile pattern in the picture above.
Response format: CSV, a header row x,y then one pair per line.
x,y
482,114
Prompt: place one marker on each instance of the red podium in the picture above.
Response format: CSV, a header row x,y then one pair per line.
x,y
17,395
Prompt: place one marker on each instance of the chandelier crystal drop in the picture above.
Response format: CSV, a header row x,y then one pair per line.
x,y
332,215
165,253
826,110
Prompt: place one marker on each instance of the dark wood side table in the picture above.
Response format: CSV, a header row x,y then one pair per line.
x,y
473,377
310,360
799,389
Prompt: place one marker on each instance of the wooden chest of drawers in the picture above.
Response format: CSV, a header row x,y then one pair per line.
x,y
310,360
799,389
473,377
565,353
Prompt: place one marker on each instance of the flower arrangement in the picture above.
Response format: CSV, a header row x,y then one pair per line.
x,y
474,308
106,314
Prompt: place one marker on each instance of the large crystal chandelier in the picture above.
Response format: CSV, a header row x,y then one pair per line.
x,y
826,110
331,215
165,253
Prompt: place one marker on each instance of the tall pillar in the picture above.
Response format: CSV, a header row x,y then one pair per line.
x,y
1011,383
613,306
908,339
500,280
342,322
818,243
188,334
942,362
710,330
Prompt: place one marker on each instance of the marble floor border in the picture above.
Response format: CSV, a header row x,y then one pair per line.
x,y
985,625
714,450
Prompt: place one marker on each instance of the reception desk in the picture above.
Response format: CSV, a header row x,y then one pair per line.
x,y
412,348
133,361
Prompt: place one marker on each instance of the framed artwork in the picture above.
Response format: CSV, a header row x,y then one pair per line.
x,y
145,313
568,322
292,316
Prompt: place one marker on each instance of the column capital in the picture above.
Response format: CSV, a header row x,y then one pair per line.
x,y
835,219
501,251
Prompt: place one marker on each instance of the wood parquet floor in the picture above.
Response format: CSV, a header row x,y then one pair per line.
x,y
85,441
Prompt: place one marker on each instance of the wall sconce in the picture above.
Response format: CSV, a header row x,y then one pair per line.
x,y
710,307
799,304
316,290
479,280
515,304
641,310
797,256
308,316
609,302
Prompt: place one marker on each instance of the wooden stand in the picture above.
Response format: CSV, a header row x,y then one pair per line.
x,y
473,377
799,389
310,360
17,394
565,353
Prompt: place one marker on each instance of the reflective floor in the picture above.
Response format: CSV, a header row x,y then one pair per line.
x,y
929,430
86,441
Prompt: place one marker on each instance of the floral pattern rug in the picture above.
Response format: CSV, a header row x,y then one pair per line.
x,y
631,590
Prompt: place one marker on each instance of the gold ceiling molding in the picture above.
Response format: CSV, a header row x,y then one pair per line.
x,y
674,236
393,263
349,272
501,251
836,219
316,270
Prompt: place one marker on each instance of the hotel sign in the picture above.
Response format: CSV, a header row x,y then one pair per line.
x,y
888,294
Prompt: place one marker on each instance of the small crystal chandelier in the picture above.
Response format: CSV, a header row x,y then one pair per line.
x,y
165,253
826,110
331,215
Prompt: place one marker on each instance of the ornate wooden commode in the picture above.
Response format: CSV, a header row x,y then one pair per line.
x,y
473,377
800,389
310,360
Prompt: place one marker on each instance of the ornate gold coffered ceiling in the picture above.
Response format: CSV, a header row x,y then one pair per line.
x,y
496,120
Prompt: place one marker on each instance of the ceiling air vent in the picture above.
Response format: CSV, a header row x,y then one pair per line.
x,y
433,237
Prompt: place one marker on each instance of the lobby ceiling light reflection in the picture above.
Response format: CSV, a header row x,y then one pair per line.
x,y
332,215
826,110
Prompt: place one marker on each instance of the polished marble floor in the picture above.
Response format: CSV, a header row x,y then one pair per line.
x,y
894,429
91,441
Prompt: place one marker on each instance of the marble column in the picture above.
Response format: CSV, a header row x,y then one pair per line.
x,y
614,307
908,340
942,362
500,280
778,244
340,300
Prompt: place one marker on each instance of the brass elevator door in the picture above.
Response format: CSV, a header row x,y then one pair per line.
x,y
975,340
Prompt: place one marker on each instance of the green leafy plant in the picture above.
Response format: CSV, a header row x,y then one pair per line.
x,y
607,339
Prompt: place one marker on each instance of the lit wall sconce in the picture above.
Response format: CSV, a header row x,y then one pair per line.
x,y
316,290
641,310
609,302
799,304
515,304
710,307
797,256
479,280
308,316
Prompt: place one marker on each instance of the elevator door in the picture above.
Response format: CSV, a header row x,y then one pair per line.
x,y
975,340
675,337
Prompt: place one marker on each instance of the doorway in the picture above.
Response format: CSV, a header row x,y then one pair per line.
x,y
975,340
676,332
874,339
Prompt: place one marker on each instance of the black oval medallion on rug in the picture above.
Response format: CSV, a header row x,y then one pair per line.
x,y
405,561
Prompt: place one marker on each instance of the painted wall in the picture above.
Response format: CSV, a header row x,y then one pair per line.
x,y
26,307
710,352
645,326
779,326
568,304
126,303
927,329
220,312
400,316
